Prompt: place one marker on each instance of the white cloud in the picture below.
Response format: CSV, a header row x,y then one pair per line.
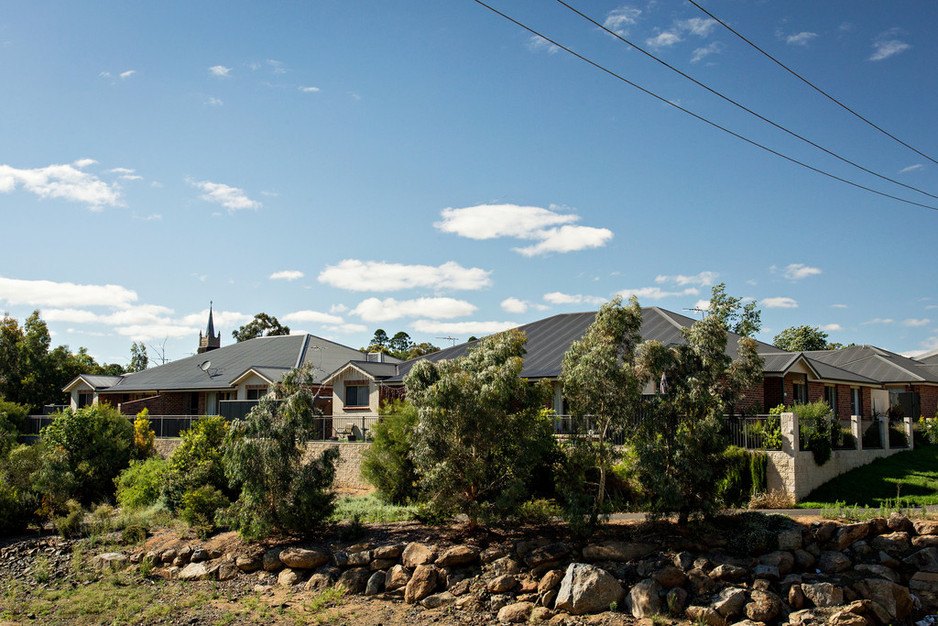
x,y
912,168
347,328
879,320
276,66
699,26
355,275
554,231
557,297
656,293
538,44
315,317
39,293
156,331
839,306
702,53
309,89
780,303
703,279
800,39
338,308
886,45
68,182
914,323
830,327
75,316
219,70
514,305
127,74
213,101
376,310
288,275
702,305
232,198
664,40
797,271
618,19
461,328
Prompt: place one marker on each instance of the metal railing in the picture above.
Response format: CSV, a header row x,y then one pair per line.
x,y
754,432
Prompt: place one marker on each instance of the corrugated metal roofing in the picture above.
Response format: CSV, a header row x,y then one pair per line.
x,y
100,381
877,364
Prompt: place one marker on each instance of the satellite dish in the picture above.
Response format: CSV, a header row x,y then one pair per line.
x,y
205,365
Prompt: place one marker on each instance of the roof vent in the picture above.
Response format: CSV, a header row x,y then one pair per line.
x,y
375,357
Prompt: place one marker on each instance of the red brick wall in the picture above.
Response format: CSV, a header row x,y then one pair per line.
x,y
928,399
163,404
815,391
752,400
772,392
866,401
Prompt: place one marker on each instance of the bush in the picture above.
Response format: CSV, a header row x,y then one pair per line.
x,y
816,429
133,534
758,468
897,436
387,463
199,508
929,429
538,511
197,461
140,485
736,484
144,437
71,523
19,500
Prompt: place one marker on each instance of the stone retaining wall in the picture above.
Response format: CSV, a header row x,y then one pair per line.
x,y
348,469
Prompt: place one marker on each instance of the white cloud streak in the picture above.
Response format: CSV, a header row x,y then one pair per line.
x,y
779,303
39,293
656,293
315,317
797,271
288,275
916,323
219,70
886,45
355,275
514,305
703,52
68,182
232,198
558,297
376,310
619,19
703,279
800,39
461,328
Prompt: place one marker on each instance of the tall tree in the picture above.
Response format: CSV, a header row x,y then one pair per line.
x,y
601,387
801,338
138,357
379,343
400,343
480,432
736,317
263,325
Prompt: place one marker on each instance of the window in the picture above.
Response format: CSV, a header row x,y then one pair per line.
x,y
856,406
799,392
256,392
830,397
85,398
356,395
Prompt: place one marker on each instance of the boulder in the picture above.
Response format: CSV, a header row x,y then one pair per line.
x,y
196,571
618,551
302,558
926,527
676,599
832,562
587,589
437,600
516,613
421,584
784,561
766,572
804,560
318,582
790,540
728,572
355,579
110,562
764,606
898,521
550,580
849,534
880,571
823,595
457,555
199,555
547,554
387,552
895,599
501,584
925,541
287,577
926,558
227,571
397,577
704,615
382,564
271,560
796,597
375,584
416,554
894,543
505,566
730,601
362,558
670,576
644,598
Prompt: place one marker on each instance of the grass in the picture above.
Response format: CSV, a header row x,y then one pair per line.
x,y
909,479
369,509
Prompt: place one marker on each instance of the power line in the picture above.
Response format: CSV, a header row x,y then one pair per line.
x,y
812,85
700,117
744,107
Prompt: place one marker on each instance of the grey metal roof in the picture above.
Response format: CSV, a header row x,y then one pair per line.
x,y
929,358
216,369
550,338
877,364
95,381
376,370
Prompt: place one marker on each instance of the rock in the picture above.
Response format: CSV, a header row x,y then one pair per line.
x,y
287,577
728,572
790,540
893,543
925,586
318,582
704,615
823,595
185,553
110,562
925,541
227,571
730,602
515,613
850,534
421,584
764,606
547,554
847,618
700,583
766,572
387,552
541,614
501,584
926,558
587,589
669,577
926,527
168,556
417,554
878,570
302,558
437,600
824,531
396,578
782,560
897,521
833,562
683,560
196,571
382,564
493,553
644,599
505,566
796,597
550,580
359,559
271,561
355,579
359,547
199,555
248,564
340,557
676,601
894,598
180,561
804,560
618,551
457,555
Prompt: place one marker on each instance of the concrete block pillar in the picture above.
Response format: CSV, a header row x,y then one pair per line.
x,y
907,422
789,432
855,426
883,431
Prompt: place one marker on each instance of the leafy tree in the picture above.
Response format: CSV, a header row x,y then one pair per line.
x,y
602,390
400,346
138,357
801,338
419,349
144,437
745,320
19,497
83,451
264,455
677,448
379,343
400,343
141,484
387,463
197,461
262,325
480,430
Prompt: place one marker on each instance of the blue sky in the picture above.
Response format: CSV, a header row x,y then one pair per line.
x,y
431,167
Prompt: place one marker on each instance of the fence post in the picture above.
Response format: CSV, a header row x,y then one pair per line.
x,y
855,428
883,431
789,423
907,422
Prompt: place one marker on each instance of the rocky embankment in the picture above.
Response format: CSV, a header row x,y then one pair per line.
x,y
883,571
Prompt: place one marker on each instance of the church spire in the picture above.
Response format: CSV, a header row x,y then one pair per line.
x,y
210,331
209,341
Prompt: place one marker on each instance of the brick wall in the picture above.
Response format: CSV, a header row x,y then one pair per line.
x,y
815,391
348,473
772,392
928,399
753,400
163,404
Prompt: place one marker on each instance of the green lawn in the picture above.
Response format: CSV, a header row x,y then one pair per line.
x,y
910,476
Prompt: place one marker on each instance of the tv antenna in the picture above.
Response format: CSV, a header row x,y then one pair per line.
x,y
453,340
696,309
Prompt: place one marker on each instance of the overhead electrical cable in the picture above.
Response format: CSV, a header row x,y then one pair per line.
x,y
700,117
744,107
812,85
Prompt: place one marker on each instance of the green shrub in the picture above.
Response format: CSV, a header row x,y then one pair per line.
x,y
197,461
387,463
140,485
19,500
538,511
927,431
897,436
816,429
133,534
736,485
71,524
200,506
758,467
144,437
